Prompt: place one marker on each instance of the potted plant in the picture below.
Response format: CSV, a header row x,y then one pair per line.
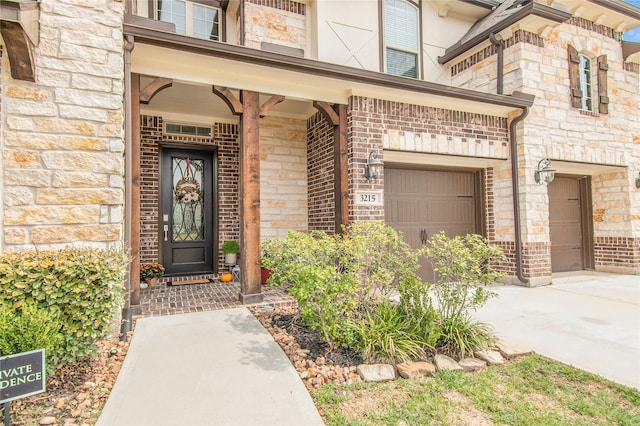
x,y
230,248
150,272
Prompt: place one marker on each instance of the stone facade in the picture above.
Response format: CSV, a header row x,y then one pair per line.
x,y
63,135
556,130
283,176
277,22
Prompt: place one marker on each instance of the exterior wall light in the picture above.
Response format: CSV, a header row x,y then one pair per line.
x,y
638,181
373,168
545,173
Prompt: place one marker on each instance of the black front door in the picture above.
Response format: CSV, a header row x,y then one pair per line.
x,y
186,228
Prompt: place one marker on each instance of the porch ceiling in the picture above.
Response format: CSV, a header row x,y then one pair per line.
x,y
196,103
300,87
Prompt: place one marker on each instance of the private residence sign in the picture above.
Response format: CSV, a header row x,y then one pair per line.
x,y
22,375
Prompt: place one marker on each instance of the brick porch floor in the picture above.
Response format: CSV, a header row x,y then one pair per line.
x,y
180,299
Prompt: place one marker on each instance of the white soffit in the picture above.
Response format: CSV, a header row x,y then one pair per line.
x,y
439,160
585,169
209,70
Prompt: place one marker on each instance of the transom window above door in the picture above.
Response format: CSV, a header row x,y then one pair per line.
x,y
190,18
402,37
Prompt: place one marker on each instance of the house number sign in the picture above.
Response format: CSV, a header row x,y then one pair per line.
x,y
369,198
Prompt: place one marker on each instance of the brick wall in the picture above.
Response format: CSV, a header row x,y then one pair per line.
x,y
321,174
225,138
365,124
279,22
617,254
63,135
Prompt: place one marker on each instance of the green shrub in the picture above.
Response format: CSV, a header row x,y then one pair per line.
x,y
310,265
461,336
386,333
463,266
378,256
84,285
333,276
27,328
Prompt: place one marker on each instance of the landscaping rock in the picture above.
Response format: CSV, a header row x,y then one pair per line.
x,y
415,370
510,351
47,421
377,372
444,362
492,357
472,364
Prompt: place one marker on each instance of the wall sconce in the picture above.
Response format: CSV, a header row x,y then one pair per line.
x,y
545,173
373,168
638,181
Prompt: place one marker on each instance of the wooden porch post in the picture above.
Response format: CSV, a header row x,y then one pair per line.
x,y
250,112
250,290
337,117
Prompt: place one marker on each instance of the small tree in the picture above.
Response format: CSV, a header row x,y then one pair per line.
x,y
463,267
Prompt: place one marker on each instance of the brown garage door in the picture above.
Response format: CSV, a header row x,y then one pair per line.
x,y
420,203
565,225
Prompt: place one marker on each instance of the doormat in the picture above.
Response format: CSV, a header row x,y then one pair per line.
x,y
187,282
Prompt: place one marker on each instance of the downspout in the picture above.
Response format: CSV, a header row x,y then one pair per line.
x,y
516,198
500,66
125,325
241,12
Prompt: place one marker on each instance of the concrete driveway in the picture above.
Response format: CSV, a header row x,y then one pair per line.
x,y
589,320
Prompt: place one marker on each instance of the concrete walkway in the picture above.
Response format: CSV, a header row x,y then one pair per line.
x,y
207,368
589,320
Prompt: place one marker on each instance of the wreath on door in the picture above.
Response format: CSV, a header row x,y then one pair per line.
x,y
187,189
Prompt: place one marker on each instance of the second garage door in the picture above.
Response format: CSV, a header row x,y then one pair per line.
x,y
420,203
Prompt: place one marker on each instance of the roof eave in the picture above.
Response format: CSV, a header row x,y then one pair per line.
x,y
313,67
629,48
533,8
620,6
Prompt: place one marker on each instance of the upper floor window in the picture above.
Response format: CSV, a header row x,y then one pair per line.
x,y
401,35
585,83
588,82
190,18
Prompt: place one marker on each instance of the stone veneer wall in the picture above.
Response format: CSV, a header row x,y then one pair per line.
x,y
63,135
556,130
225,138
321,174
283,176
280,22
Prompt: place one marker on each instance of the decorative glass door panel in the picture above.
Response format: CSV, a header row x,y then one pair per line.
x,y
188,203
187,211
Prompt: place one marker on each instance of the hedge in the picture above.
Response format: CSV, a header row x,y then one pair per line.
x,y
83,286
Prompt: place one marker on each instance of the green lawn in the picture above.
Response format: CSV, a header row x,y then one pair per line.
x,y
531,390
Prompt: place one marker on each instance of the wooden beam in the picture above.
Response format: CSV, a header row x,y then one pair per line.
x,y
337,117
273,101
340,159
135,189
234,104
250,286
19,51
153,88
327,112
